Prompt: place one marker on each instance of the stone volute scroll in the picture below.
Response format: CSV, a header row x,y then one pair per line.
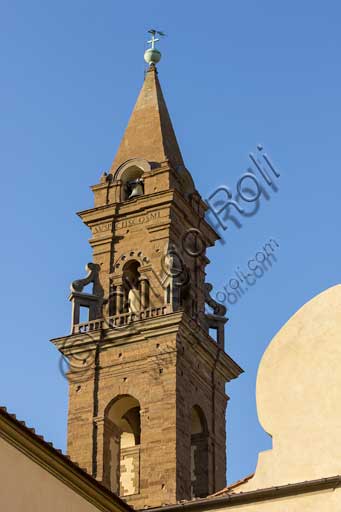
x,y
217,320
91,301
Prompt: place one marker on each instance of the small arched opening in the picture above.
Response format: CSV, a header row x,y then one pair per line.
x,y
132,183
122,434
199,453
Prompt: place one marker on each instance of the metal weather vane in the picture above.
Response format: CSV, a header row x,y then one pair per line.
x,y
154,39
152,55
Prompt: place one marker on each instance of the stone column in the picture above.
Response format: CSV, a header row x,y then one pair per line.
x,y
144,292
119,299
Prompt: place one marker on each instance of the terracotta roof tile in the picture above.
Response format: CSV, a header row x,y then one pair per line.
x,y
231,487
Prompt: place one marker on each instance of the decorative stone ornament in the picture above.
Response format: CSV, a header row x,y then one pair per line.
x,y
91,301
217,320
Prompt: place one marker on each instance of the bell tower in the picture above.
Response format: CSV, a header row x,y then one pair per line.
x,y
146,379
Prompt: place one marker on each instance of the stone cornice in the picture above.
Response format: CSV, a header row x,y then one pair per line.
x,y
139,331
143,330
147,203
132,206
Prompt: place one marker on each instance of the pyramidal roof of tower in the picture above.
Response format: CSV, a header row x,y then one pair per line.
x,y
149,134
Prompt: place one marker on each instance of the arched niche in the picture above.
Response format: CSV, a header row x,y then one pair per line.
x,y
122,435
129,174
199,453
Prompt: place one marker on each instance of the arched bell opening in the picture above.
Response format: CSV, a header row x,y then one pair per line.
x,y
122,435
132,183
199,453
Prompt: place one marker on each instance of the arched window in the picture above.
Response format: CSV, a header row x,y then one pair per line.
x,y
122,432
132,183
199,453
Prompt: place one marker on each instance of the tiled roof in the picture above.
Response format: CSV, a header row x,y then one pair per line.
x,y
231,487
31,430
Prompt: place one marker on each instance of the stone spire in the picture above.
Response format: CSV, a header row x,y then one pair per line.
x,y
149,134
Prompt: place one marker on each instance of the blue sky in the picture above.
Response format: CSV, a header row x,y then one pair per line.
x,y
234,74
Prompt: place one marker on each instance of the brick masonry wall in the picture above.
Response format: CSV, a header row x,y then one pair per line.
x,y
167,369
168,374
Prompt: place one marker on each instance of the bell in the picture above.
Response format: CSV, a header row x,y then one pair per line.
x,y
136,189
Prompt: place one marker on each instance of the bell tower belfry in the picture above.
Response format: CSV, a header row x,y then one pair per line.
x,y
147,395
